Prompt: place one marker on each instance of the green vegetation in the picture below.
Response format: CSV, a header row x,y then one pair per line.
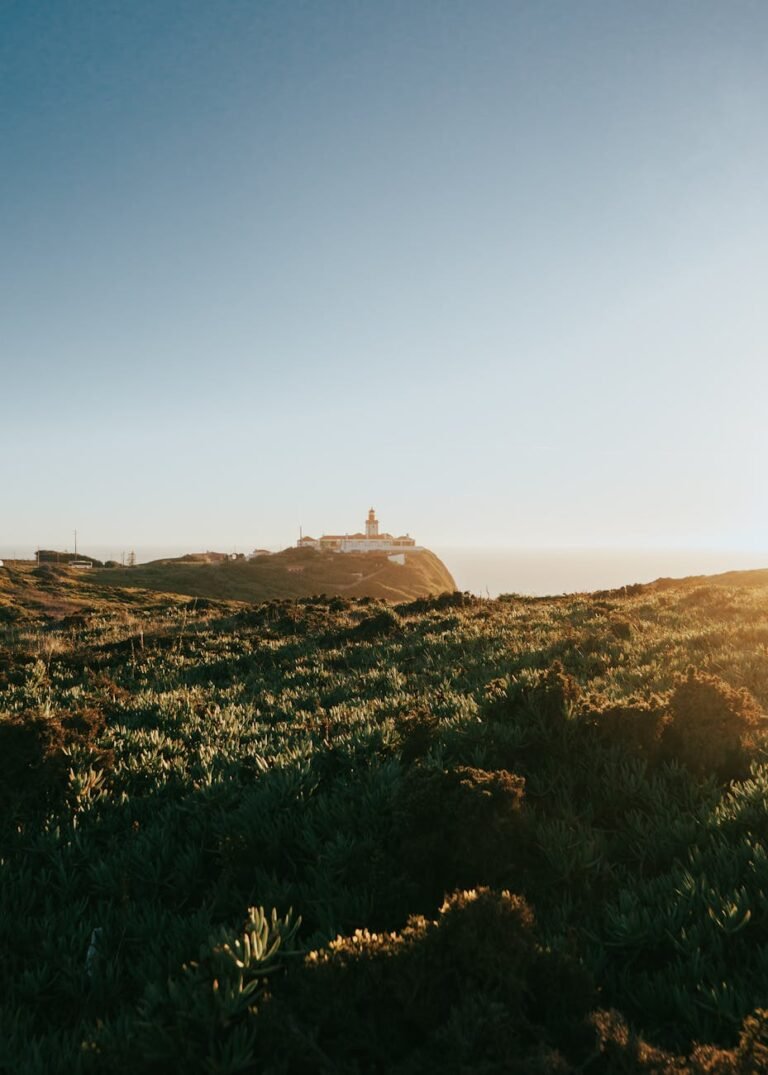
x,y
333,834
291,573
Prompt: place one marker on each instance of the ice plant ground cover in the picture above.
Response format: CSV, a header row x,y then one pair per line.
x,y
523,835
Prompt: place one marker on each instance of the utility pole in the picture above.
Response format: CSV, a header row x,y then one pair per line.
x,y
75,544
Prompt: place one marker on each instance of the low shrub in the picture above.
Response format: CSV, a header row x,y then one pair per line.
x,y
547,696
472,990
32,764
636,724
622,629
439,603
417,731
458,827
621,1051
379,625
712,727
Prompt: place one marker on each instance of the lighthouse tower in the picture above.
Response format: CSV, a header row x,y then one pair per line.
x,y
372,525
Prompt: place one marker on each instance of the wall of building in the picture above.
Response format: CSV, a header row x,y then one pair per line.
x,y
375,545
371,541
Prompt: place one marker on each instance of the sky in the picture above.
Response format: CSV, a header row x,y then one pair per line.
x,y
497,268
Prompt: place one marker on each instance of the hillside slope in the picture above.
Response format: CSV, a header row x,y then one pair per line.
x,y
291,573
756,577
519,833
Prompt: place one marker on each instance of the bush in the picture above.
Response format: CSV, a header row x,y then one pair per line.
x,y
465,826
545,697
32,765
379,625
417,732
711,726
470,991
623,1052
636,724
439,603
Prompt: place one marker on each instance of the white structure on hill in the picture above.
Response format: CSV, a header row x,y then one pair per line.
x,y
370,541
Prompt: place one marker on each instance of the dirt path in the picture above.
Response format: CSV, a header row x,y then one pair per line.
x,y
360,581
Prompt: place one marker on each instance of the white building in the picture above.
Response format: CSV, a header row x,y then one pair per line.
x,y
371,541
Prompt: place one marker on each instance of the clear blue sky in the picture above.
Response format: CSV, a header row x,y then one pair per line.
x,y
497,268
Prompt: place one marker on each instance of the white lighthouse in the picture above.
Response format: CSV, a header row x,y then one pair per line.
x,y
371,541
372,525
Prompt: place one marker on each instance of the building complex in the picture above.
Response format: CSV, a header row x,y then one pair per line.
x,y
371,541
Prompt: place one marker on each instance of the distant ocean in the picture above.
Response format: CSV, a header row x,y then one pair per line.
x,y
490,572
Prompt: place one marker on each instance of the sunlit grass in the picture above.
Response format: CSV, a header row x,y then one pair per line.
x,y
167,766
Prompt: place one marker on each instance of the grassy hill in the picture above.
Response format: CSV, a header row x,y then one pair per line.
x,y
755,577
291,573
345,835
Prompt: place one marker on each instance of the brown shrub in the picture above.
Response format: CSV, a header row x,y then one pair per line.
x,y
636,724
14,667
496,698
417,732
379,625
461,827
31,760
439,603
472,990
34,766
84,724
110,695
752,1050
623,1052
712,727
550,694
555,695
